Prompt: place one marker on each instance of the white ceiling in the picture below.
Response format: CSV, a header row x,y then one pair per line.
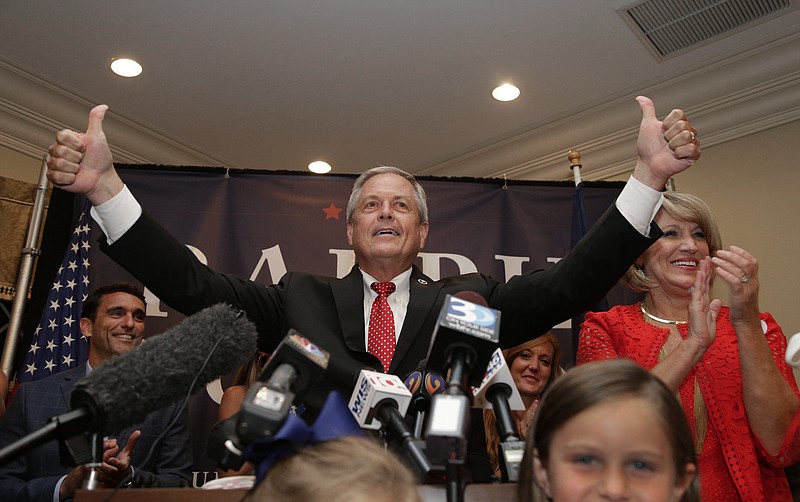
x,y
275,84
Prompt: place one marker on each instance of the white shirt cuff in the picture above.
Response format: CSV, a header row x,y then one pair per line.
x,y
117,215
56,497
639,204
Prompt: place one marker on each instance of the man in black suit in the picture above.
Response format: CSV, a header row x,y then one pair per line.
x,y
387,226
113,321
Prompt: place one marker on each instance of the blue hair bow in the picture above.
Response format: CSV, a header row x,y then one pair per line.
x,y
334,421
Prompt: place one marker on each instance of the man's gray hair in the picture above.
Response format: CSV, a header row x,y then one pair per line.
x,y
419,192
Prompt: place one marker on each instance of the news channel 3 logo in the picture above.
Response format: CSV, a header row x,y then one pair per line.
x,y
471,313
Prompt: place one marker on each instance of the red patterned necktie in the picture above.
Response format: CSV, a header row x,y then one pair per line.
x,y
381,340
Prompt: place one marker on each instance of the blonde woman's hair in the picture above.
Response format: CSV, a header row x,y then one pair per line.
x,y
683,207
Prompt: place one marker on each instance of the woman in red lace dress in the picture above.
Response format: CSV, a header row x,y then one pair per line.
x,y
725,363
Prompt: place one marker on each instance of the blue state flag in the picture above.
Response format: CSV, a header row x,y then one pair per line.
x,y
580,228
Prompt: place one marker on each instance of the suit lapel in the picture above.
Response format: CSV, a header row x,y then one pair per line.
x,y
348,293
424,292
68,379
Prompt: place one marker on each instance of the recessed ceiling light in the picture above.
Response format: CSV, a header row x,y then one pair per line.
x,y
505,92
319,167
126,67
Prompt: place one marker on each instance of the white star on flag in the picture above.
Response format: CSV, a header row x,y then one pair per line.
x,y
58,329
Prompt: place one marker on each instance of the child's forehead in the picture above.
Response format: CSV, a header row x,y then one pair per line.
x,y
634,408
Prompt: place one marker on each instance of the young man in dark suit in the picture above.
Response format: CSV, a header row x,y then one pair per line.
x,y
113,321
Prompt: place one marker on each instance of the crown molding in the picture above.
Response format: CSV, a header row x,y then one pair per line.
x,y
740,95
736,97
35,109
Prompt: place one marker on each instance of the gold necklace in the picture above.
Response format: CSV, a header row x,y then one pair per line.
x,y
658,319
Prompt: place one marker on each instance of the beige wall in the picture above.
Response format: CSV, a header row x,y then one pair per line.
x,y
752,185
753,188
18,166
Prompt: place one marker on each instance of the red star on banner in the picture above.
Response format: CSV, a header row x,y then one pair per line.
x,y
332,212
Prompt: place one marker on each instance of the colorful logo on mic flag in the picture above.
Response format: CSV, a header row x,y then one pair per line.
x,y
57,344
302,344
434,384
413,382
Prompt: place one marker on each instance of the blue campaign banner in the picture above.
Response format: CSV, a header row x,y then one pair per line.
x,y
260,224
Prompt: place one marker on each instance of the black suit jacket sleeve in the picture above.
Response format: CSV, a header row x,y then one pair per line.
x,y
532,303
329,310
171,271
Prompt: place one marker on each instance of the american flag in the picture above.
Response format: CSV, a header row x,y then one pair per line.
x,y
57,344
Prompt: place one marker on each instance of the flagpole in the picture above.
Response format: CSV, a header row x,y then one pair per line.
x,y
29,252
575,165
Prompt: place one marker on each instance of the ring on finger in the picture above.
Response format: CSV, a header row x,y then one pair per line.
x,y
744,279
694,137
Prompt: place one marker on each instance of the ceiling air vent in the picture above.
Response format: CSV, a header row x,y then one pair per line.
x,y
670,27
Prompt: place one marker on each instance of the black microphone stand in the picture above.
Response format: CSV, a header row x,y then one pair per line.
x,y
70,428
451,447
391,420
510,448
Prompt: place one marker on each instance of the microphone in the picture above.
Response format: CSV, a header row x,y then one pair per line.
x,y
465,336
414,382
294,366
182,360
499,393
375,392
497,377
434,384
466,333
423,386
379,401
223,444
291,371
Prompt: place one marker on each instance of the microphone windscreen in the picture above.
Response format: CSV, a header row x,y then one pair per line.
x,y
204,346
472,297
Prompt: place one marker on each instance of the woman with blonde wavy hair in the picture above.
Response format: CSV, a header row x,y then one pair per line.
x,y
725,363
534,365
